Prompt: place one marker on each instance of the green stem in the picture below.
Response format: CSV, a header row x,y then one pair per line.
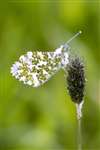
x,y
79,135
79,116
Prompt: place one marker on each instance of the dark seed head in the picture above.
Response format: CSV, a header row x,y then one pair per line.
x,y
76,80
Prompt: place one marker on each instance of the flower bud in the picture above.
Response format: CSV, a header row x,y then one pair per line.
x,y
76,79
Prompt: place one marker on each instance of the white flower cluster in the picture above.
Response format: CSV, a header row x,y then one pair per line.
x,y
35,68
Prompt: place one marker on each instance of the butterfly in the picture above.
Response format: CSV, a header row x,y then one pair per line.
x,y
36,68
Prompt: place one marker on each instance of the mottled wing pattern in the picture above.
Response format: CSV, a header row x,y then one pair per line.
x,y
35,68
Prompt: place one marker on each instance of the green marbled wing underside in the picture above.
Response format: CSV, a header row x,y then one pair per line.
x,y
38,68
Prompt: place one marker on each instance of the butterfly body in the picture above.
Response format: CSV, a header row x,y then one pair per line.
x,y
35,68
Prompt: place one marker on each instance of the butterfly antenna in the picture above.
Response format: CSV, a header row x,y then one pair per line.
x,y
77,34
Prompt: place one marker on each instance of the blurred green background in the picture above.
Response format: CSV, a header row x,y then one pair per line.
x,y
45,117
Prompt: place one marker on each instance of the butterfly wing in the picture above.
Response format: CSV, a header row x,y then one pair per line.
x,y
35,68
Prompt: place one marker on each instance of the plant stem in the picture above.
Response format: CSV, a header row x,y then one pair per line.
x,y
79,116
79,135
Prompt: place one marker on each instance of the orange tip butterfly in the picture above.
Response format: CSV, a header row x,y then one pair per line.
x,y
35,68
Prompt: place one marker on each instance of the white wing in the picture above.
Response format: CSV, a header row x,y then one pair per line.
x,y
35,68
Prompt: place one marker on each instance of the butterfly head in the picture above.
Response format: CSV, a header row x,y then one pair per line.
x,y
65,49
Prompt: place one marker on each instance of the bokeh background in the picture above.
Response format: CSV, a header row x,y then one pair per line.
x,y
45,117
